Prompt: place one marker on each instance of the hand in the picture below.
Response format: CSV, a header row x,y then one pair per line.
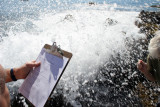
x,y
22,72
142,66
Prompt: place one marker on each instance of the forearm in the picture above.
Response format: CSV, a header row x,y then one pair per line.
x,y
20,72
149,76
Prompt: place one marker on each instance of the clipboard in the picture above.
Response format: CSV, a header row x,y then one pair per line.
x,y
56,52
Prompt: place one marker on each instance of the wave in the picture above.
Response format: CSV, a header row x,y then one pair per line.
x,y
94,34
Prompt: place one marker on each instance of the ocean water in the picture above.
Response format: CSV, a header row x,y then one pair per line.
x,y
98,36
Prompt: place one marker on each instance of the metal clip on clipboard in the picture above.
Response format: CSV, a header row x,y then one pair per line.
x,y
55,50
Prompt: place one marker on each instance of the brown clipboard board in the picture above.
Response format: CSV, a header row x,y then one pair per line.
x,y
65,54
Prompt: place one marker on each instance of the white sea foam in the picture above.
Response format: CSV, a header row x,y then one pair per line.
x,y
83,32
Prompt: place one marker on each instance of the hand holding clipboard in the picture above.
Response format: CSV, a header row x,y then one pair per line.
x,y
42,80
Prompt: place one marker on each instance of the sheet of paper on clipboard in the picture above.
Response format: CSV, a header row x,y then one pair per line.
x,y
41,81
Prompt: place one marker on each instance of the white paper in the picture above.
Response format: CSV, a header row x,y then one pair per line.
x,y
40,82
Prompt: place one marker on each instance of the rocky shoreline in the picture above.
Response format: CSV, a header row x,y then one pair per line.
x,y
150,22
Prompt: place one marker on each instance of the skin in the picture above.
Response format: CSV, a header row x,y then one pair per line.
x,y
20,73
142,66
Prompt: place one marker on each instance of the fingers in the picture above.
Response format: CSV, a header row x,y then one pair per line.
x,y
33,64
140,65
33,61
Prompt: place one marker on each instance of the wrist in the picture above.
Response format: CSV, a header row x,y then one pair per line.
x,y
144,71
12,75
